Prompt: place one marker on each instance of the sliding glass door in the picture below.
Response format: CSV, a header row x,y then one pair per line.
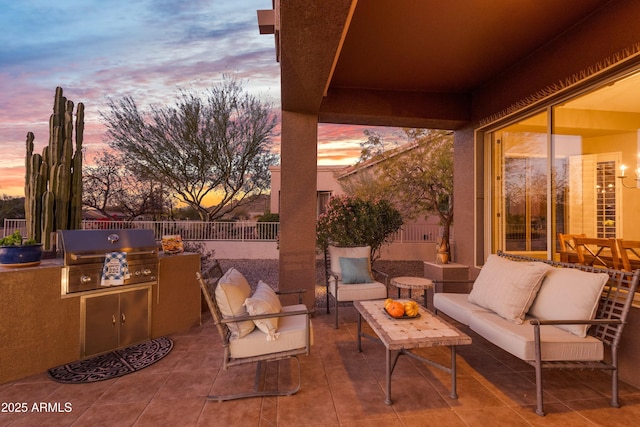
x,y
559,171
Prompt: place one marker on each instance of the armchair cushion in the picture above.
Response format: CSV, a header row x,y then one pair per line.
x,y
336,252
569,294
292,334
508,287
231,292
265,301
355,270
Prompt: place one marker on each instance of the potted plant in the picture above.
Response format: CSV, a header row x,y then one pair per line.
x,y
18,252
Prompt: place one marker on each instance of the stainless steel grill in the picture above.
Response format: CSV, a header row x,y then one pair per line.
x,y
85,252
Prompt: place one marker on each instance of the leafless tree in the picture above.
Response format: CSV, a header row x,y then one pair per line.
x,y
218,144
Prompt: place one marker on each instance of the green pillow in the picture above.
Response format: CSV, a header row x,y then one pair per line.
x,y
355,270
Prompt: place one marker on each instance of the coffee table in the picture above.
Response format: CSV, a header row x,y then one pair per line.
x,y
408,282
399,336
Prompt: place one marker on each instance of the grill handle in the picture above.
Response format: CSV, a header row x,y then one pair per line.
x,y
76,257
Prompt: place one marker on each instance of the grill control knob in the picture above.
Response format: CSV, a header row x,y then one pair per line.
x,y
85,279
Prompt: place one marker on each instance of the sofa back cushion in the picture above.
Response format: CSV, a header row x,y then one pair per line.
x,y
508,287
569,294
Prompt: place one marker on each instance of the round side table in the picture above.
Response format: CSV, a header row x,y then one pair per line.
x,y
411,283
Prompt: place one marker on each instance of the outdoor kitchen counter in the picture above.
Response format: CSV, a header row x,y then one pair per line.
x,y
40,328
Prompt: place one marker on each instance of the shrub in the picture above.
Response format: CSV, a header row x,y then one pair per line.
x,y
352,221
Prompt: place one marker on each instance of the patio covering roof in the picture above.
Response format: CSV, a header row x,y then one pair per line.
x,y
408,62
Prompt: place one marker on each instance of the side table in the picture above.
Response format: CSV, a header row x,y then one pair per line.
x,y
410,283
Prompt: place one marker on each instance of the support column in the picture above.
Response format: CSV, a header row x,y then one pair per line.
x,y
299,154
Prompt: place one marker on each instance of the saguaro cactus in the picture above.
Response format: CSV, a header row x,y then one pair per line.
x,y
53,180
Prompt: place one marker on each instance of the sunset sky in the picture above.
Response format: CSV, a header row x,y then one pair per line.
x,y
147,49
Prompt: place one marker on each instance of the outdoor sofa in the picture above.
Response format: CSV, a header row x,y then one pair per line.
x,y
547,313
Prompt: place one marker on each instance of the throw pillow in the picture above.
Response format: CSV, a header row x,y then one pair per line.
x,y
355,270
569,294
265,301
230,294
508,287
335,252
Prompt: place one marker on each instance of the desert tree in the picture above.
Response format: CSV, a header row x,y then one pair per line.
x,y
109,185
213,145
102,182
421,179
11,207
416,177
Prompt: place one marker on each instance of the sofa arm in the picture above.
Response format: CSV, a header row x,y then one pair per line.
x,y
536,331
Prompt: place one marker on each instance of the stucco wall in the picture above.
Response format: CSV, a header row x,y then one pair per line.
x,y
269,250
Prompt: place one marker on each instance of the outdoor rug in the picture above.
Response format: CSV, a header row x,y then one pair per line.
x,y
113,364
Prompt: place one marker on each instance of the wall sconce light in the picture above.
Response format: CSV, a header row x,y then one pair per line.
x,y
623,175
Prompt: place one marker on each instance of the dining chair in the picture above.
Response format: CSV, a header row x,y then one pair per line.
x,y
597,252
567,243
629,248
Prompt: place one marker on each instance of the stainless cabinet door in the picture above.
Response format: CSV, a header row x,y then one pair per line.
x,y
101,324
134,317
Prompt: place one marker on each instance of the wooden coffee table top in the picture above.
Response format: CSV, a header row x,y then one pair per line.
x,y
427,330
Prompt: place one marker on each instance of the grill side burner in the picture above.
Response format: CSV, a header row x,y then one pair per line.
x,y
85,252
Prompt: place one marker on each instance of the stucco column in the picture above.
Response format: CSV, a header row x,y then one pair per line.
x,y
298,204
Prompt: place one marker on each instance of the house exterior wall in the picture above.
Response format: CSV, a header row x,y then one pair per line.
x,y
571,63
325,182
564,66
604,44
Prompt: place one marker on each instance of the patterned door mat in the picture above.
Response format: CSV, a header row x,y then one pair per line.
x,y
113,364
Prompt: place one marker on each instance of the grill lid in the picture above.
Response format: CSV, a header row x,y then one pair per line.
x,y
90,246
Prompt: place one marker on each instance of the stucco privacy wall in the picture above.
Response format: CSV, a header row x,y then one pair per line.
x,y
269,250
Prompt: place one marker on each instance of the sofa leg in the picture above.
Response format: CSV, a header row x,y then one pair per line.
x,y
614,388
538,366
539,397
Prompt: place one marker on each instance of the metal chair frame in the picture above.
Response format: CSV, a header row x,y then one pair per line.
x,y
329,275
225,335
607,326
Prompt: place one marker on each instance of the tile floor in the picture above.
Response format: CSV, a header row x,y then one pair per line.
x,y
340,387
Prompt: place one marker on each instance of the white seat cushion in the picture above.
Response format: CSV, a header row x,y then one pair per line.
x,y
456,306
292,332
518,340
357,292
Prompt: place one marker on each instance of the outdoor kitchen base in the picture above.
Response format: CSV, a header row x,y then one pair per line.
x,y
41,328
